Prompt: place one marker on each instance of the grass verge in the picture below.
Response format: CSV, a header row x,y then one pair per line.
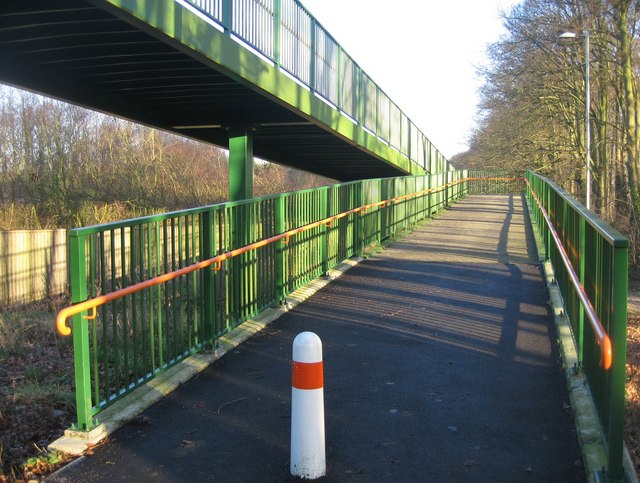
x,y
632,416
36,391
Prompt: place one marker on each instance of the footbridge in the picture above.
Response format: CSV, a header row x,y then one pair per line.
x,y
259,77
442,355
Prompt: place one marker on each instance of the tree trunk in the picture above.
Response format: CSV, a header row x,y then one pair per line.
x,y
630,101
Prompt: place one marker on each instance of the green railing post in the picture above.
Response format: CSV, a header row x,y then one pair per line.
x,y
339,78
324,236
280,268
618,333
277,25
312,59
465,174
361,111
582,275
547,205
377,120
81,355
379,214
227,15
447,190
429,195
208,277
358,234
230,273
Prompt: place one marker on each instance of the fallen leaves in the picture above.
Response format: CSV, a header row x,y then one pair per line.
x,y
36,398
187,444
632,426
230,403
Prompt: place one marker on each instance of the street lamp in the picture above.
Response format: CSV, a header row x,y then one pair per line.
x,y
587,128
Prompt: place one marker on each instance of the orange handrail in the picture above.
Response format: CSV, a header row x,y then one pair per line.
x,y
93,303
606,350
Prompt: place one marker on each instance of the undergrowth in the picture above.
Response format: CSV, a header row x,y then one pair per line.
x,y
36,391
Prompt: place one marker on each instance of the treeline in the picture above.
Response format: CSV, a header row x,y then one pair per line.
x,y
63,166
532,113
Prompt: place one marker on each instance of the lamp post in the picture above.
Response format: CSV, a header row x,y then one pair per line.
x,y
587,102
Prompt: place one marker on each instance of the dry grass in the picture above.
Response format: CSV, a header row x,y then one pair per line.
x,y
36,391
632,423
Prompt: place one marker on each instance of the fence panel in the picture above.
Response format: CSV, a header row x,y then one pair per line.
x,y
349,92
369,103
213,8
252,21
384,117
495,182
395,119
295,40
326,68
33,265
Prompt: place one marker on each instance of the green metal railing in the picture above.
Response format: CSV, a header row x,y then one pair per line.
x,y
285,33
151,291
599,256
496,182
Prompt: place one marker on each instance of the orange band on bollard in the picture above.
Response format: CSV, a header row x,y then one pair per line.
x,y
307,375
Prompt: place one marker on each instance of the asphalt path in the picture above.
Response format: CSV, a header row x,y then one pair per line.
x,y
440,365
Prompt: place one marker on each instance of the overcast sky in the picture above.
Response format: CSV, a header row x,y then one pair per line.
x,y
422,53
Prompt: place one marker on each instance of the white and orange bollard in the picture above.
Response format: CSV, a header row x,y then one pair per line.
x,y
307,408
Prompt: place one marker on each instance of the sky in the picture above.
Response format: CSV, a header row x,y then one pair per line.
x,y
422,53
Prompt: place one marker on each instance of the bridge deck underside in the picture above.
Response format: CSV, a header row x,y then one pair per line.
x,y
440,365
77,52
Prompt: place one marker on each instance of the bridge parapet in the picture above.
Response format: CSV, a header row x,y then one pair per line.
x,y
286,34
593,285
151,291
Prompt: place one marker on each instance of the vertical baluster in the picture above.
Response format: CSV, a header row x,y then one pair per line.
x,y
151,301
124,307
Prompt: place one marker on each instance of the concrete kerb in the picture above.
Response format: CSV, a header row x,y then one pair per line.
x,y
588,428
112,418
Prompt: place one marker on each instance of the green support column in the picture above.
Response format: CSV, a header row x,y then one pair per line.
x,y
242,268
240,164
